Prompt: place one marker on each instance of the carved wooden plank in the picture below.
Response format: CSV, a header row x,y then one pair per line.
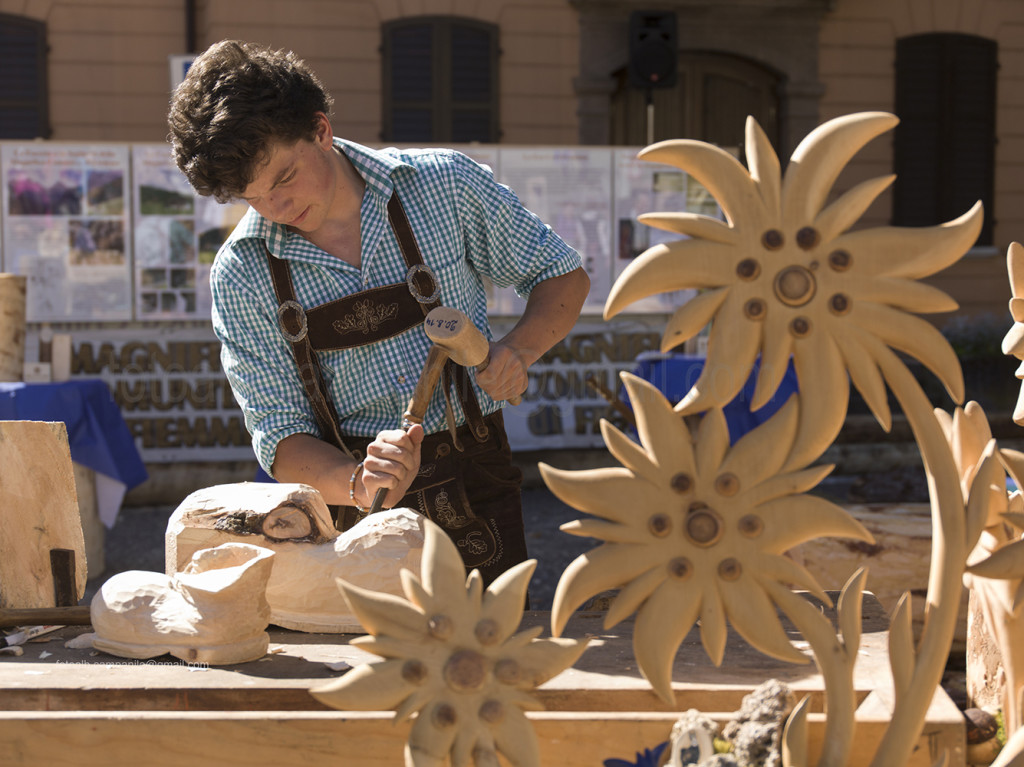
x,y
38,511
897,561
364,739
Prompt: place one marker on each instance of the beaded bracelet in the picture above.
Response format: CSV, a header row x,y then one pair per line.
x,y
352,487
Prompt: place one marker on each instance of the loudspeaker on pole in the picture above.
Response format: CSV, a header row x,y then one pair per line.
x,y
653,49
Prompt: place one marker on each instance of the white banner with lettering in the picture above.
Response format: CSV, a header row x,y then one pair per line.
x,y
168,382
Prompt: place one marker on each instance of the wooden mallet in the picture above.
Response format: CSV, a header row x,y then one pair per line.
x,y
455,333
454,337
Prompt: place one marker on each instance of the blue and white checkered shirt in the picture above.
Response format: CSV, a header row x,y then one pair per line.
x,y
466,225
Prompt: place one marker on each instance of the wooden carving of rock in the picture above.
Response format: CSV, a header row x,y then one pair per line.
x,y
38,512
293,521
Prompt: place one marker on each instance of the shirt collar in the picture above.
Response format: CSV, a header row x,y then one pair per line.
x,y
375,166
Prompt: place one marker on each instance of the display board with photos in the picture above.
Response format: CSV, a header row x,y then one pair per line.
x,y
646,187
66,228
177,234
592,197
570,189
111,232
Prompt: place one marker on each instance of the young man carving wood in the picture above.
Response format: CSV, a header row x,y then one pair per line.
x,y
320,292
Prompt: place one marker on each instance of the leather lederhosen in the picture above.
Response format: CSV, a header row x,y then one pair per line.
x,y
466,483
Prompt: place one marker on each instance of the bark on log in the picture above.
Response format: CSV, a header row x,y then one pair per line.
x,y
12,326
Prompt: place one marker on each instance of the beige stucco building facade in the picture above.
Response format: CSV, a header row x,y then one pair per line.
x,y
560,76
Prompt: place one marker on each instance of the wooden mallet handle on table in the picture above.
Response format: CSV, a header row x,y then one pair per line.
x,y
77,615
454,337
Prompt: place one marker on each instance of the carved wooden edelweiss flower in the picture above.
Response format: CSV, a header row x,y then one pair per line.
x,y
995,518
974,451
452,660
783,276
694,529
1013,342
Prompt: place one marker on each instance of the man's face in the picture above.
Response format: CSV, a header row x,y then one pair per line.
x,y
296,184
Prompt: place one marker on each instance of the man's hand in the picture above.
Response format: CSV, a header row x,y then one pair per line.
x,y
551,311
392,461
505,374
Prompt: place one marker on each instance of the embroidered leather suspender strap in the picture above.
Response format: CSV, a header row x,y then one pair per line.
x,y
365,317
292,322
419,279
452,372
473,459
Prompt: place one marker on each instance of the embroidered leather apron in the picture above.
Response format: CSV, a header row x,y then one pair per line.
x,y
466,483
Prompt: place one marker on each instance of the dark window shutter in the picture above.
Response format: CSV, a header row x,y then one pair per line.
x,y
23,87
440,80
411,56
944,146
473,83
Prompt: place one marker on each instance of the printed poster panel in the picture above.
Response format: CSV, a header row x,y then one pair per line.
x,y
646,187
570,189
66,228
168,382
177,234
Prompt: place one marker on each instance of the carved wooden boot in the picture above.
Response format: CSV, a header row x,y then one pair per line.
x,y
215,611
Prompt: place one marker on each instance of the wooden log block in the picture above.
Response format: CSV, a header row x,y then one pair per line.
x,y
92,528
38,512
12,326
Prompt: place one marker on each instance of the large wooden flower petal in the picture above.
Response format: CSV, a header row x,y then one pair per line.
x,y
367,688
661,626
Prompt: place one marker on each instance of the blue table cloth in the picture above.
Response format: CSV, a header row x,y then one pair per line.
x,y
98,436
675,375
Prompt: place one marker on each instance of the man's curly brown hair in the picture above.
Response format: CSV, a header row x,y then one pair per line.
x,y
238,100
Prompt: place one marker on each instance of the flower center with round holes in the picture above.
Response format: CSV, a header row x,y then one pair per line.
x,y
703,526
730,569
507,671
465,671
794,286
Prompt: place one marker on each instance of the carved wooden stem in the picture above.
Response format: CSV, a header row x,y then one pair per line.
x,y
947,561
835,661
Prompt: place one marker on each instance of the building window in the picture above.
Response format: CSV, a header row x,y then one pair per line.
x,y
440,80
944,146
23,104
713,94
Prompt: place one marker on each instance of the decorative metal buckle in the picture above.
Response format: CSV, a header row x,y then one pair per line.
x,y
296,307
410,280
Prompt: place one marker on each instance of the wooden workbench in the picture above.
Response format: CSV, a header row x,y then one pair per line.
x,y
61,706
